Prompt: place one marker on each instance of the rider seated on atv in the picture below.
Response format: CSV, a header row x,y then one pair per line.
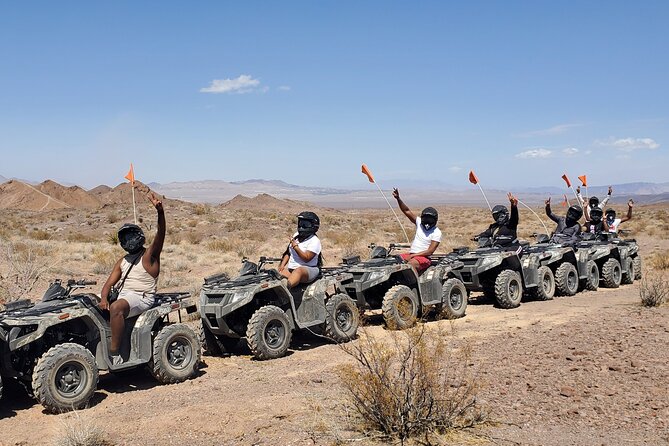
x,y
612,223
503,231
427,238
135,277
568,228
593,221
593,202
302,259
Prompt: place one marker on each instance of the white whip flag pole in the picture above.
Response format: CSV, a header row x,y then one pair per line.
x,y
535,214
474,180
131,177
370,177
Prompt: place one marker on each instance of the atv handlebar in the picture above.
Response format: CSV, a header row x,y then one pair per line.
x,y
264,259
399,245
81,283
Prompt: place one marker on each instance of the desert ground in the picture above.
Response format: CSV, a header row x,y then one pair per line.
x,y
585,370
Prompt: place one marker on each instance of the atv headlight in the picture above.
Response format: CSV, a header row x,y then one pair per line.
x,y
487,261
376,275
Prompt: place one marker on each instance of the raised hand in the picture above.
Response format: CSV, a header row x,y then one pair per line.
x,y
513,200
154,201
578,189
396,193
630,203
610,190
548,202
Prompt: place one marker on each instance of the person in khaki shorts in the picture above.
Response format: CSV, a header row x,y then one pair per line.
x,y
136,274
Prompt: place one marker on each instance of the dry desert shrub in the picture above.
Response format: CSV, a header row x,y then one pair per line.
x,y
103,260
654,289
660,260
22,265
414,385
80,432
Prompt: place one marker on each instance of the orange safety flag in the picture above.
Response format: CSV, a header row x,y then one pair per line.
x,y
131,175
473,178
583,180
566,180
366,171
565,202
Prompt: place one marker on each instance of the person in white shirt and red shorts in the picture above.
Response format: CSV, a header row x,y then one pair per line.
x,y
427,238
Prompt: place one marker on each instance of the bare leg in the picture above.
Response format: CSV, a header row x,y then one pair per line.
x,y
299,275
118,312
414,263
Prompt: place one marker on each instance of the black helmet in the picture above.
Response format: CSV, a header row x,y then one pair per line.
x,y
500,214
574,213
610,214
307,223
428,218
593,202
131,238
596,214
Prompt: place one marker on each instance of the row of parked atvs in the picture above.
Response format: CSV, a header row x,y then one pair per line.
x,y
57,346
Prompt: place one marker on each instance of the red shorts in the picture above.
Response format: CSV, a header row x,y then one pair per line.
x,y
423,262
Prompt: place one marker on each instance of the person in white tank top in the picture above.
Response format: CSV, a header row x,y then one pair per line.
x,y
136,274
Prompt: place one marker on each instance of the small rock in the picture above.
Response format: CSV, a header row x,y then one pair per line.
x,y
567,391
614,368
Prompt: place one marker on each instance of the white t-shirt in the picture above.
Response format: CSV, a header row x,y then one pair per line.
x,y
423,238
614,227
312,244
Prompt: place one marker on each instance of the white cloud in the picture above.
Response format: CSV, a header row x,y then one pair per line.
x,y
569,151
534,153
284,88
629,144
455,169
555,130
242,84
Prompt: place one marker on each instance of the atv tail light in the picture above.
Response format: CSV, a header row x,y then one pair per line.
x,y
64,316
264,285
175,306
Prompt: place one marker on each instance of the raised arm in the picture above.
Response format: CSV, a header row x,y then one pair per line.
x,y
607,198
550,214
403,207
513,221
630,205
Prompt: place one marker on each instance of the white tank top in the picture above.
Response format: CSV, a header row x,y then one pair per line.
x,y
139,279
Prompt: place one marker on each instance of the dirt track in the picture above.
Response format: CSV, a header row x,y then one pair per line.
x,y
587,370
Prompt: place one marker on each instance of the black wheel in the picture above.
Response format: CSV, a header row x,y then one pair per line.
x,y
213,345
545,289
400,307
591,283
268,333
453,299
176,354
611,273
628,273
341,318
566,279
508,289
638,275
65,378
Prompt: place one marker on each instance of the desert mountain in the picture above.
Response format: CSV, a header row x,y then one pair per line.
x,y
265,202
16,194
73,196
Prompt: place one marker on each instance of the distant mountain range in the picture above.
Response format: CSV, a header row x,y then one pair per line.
x,y
23,194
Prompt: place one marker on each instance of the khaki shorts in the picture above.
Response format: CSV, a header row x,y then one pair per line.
x,y
312,272
138,302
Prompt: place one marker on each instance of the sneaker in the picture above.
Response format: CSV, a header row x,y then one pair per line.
x,y
116,359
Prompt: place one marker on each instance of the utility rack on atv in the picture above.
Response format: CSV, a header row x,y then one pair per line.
x,y
57,346
258,305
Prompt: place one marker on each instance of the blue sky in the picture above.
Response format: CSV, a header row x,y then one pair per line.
x,y
306,91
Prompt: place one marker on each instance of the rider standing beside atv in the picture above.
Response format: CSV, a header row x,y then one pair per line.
x,y
137,273
568,228
427,238
504,231
302,260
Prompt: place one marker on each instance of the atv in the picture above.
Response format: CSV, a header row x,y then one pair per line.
x,y
388,283
57,346
600,249
259,306
496,268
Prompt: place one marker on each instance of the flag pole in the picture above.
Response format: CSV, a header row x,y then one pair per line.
x,y
134,207
486,198
394,213
535,214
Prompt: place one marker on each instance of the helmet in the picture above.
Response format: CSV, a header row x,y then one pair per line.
x,y
610,215
500,214
131,238
593,202
574,213
428,218
596,214
307,223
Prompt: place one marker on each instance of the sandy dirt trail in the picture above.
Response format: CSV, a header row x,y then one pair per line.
x,y
587,370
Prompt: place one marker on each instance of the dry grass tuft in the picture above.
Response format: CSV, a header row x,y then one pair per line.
x,y
660,260
412,386
654,289
80,432
24,264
